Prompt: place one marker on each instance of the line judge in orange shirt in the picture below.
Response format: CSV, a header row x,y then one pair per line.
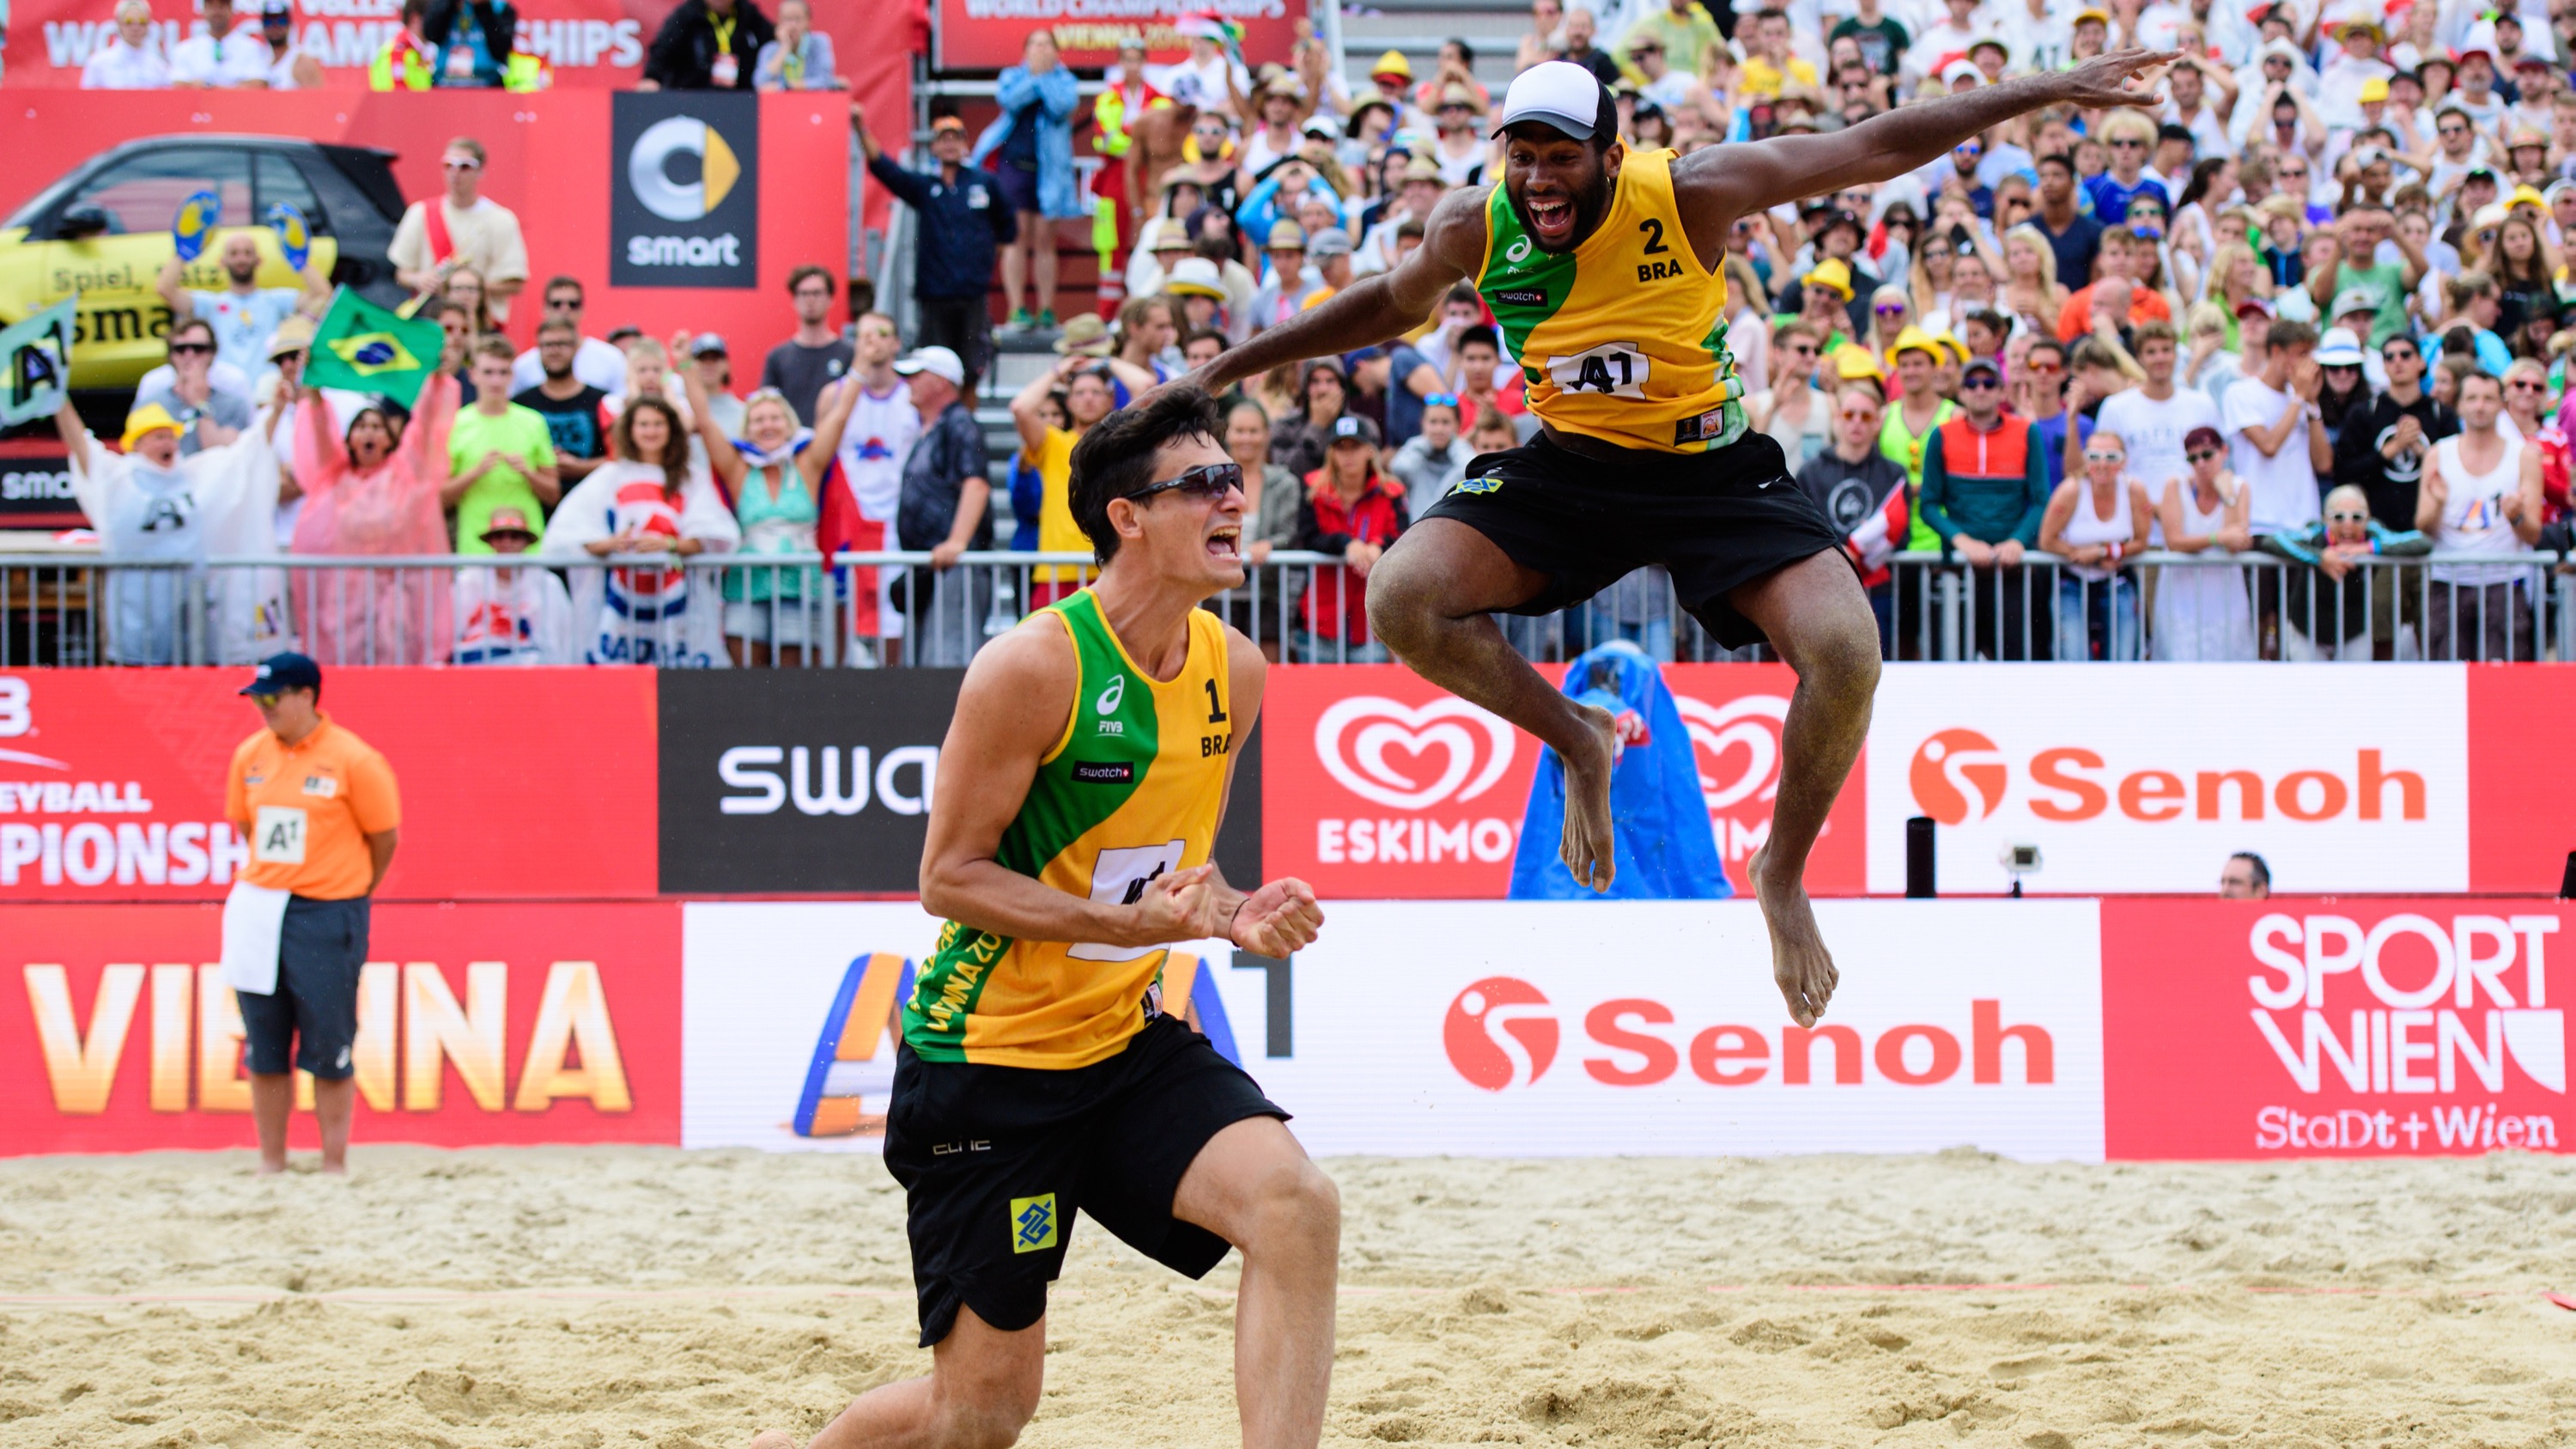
x,y
321,812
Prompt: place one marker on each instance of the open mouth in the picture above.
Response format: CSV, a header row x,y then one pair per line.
x,y
1551,216
1225,544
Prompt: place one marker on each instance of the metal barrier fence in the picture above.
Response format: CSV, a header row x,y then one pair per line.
x,y
887,609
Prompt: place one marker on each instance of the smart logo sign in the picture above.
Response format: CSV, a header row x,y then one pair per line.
x,y
2405,1028
684,207
1378,785
2148,779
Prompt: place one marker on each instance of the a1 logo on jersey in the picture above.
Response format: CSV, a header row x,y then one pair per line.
x,y
1616,369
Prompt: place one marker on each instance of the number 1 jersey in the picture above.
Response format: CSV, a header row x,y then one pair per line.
x,y
1623,338
1131,792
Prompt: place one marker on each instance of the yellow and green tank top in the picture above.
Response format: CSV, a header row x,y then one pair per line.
x,y
1623,338
1130,792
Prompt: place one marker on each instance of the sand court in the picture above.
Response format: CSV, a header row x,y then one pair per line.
x,y
612,1296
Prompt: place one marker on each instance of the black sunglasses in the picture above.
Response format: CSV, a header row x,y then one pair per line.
x,y
190,349
1208,480
2202,456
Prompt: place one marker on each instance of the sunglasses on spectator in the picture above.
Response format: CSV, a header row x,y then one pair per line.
x,y
1979,382
2201,456
2091,456
1209,481
1859,415
563,304
461,163
2035,365
1440,400
1800,349
2340,517
2527,385
2129,145
1896,311
190,349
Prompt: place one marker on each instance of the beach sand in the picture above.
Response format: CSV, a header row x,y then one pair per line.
x,y
616,1296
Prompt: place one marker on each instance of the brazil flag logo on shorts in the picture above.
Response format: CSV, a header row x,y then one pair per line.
x,y
1033,1223
365,348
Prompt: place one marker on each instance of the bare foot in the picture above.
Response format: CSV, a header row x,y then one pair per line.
x,y
774,1439
271,1169
1799,961
1587,847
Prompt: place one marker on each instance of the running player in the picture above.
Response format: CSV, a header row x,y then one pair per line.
x,y
1077,804
1603,267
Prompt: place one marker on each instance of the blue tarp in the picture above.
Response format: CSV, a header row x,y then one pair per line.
x,y
1666,849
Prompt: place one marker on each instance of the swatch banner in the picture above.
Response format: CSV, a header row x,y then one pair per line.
x,y
477,1024
514,783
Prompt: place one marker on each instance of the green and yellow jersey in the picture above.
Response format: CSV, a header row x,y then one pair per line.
x,y
1623,338
1131,791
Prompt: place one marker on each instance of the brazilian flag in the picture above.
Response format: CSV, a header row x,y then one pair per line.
x,y
366,348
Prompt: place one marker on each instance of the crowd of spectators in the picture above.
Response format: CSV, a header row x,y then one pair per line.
x,y
2083,333
2308,310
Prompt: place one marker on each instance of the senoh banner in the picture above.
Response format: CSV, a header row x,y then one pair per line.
x,y
1378,785
2146,779
2335,1028
684,203
515,783
790,1011
476,1024
1533,1028
989,34
799,780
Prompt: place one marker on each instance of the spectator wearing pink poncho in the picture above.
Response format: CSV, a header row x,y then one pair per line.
x,y
374,490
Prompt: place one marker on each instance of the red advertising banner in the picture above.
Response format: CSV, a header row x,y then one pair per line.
x,y
988,34
2325,1027
477,1024
2522,776
515,783
1379,786
551,163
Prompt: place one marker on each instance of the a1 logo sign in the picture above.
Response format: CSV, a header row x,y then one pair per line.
x,y
1616,369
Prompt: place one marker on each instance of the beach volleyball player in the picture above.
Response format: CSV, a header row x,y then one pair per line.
x,y
1602,267
1038,1077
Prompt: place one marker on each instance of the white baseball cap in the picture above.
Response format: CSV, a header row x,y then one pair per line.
x,y
1555,93
937,361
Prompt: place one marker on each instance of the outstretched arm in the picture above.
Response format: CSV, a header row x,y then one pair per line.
x,y
1721,183
1372,310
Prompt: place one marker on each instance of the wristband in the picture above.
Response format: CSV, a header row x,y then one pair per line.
x,y
1230,920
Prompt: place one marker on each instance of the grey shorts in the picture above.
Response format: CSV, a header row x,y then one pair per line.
x,y
311,1020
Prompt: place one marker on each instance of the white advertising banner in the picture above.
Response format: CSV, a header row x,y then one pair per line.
x,y
787,1034
1490,1028
2145,779
1534,1029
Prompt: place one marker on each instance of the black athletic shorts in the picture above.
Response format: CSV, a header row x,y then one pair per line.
x,y
1715,520
311,1020
995,1162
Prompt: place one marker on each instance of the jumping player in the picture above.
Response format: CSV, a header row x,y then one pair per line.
x,y
1603,268
1077,804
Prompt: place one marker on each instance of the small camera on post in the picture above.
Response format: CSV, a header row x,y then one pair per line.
x,y
2019,861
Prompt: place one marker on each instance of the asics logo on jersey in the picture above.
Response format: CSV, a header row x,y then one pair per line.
x,y
1518,252
1107,703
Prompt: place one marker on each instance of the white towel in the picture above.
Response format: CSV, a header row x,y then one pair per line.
x,y
254,919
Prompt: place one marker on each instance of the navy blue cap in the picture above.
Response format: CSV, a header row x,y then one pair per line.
x,y
281,672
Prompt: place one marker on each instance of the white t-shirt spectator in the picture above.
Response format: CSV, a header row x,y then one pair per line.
x,y
243,324
486,237
1202,85
2154,431
874,446
2284,485
117,66
594,362
2208,131
202,60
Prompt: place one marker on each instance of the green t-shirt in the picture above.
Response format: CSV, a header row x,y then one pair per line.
x,y
1882,44
519,430
2387,282
1905,450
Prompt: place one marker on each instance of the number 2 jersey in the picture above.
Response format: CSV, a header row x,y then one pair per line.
x,y
1131,792
1623,338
